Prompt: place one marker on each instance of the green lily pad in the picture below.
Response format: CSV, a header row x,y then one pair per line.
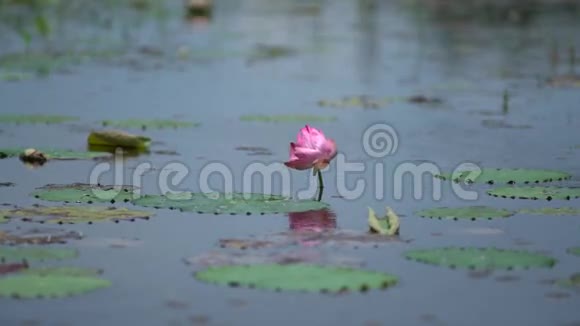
x,y
84,193
470,212
574,251
288,118
74,214
506,176
480,258
115,138
26,253
55,154
297,277
568,211
547,193
148,124
35,118
49,286
63,271
238,203
572,282
388,225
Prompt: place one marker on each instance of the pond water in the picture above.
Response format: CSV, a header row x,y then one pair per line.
x,y
154,63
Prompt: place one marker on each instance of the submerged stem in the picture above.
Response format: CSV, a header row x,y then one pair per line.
x,y
320,185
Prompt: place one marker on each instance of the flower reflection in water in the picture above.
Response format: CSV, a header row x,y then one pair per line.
x,y
313,221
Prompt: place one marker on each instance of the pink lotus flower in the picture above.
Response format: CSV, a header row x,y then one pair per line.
x,y
311,150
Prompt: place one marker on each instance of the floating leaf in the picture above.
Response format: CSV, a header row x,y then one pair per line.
x,y
470,212
49,286
63,271
12,267
288,118
574,251
55,154
362,101
115,138
148,124
38,236
480,258
572,282
388,225
19,254
84,193
235,203
74,214
506,176
547,193
297,277
3,219
569,211
35,118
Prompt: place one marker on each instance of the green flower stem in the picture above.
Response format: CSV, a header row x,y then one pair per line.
x,y
320,185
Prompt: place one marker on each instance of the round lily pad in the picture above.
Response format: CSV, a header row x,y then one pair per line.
x,y
74,214
574,251
49,286
84,193
547,193
569,211
29,253
56,154
297,277
148,124
35,118
506,176
469,213
480,258
288,118
235,203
